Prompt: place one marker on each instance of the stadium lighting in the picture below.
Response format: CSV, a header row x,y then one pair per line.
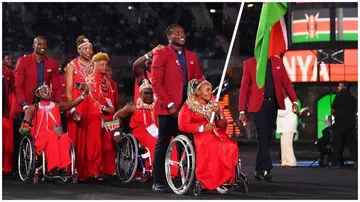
x,y
212,10
130,7
250,5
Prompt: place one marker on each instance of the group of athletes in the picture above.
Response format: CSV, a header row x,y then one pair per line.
x,y
171,97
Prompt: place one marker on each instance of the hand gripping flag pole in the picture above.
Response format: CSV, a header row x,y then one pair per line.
x,y
228,57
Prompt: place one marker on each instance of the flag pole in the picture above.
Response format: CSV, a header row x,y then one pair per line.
x,y
228,57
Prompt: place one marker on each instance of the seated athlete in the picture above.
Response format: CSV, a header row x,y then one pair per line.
x,y
215,151
143,122
43,121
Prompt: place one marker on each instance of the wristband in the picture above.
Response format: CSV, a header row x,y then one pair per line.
x,y
117,133
25,107
170,105
146,56
82,96
295,103
242,112
72,110
201,129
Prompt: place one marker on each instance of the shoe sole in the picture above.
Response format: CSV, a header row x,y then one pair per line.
x,y
159,191
267,179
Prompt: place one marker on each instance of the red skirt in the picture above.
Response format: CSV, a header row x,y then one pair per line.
x,y
215,159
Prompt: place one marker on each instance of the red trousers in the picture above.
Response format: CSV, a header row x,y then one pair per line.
x,y
109,153
57,149
8,145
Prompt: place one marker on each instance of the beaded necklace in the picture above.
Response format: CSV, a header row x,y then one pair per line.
x,y
143,107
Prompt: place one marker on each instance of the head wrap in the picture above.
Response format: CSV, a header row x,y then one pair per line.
x,y
83,42
145,84
193,104
44,85
139,102
194,85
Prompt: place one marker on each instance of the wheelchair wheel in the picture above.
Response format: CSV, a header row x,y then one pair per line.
x,y
241,179
73,164
186,165
127,158
245,187
144,178
197,189
36,178
75,178
74,174
27,159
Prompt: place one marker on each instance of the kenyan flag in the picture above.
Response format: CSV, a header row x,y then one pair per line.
x,y
271,37
112,125
313,25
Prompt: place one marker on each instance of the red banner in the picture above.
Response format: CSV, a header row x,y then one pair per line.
x,y
302,66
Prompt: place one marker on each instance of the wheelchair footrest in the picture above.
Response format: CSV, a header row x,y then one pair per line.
x,y
229,184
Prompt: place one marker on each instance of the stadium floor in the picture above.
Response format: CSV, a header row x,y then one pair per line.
x,y
289,183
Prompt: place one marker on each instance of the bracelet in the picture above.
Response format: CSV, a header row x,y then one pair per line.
x,y
170,105
25,107
117,133
295,103
72,110
146,56
82,96
200,129
219,117
242,112
25,128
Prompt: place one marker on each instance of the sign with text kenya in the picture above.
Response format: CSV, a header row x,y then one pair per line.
x,y
332,65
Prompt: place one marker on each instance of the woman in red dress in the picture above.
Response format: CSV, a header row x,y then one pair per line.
x,y
84,122
143,118
107,101
43,120
215,151
142,70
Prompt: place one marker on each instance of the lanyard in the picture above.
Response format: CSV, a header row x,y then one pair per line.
x,y
48,112
144,116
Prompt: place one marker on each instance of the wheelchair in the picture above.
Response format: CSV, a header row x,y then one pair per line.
x,y
187,167
324,147
32,167
130,158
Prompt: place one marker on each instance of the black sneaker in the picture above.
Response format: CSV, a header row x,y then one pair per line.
x,y
258,175
267,176
159,188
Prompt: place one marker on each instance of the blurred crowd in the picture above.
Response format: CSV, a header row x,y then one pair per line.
x,y
119,28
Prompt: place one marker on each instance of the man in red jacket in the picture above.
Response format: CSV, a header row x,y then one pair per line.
x,y
8,96
263,104
172,68
32,71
